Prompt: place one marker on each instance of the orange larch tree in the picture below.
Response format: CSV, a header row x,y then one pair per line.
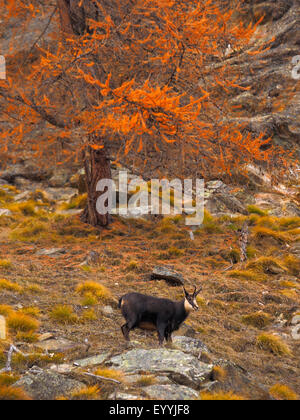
x,y
146,81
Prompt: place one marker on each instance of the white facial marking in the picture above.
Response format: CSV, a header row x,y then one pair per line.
x,y
188,307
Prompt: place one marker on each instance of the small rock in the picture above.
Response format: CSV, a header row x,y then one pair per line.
x,y
47,385
2,328
171,392
53,252
166,273
60,194
44,337
93,258
57,346
5,212
92,361
107,310
64,368
190,345
123,397
296,320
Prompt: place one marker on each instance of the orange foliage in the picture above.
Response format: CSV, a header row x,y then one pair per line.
x,y
143,75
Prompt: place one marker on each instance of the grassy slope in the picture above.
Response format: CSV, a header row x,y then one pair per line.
x,y
128,252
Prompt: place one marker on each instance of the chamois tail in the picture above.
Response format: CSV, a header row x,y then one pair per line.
x,y
120,302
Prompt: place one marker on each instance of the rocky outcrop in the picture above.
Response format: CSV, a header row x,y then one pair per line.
x,y
44,385
181,368
167,274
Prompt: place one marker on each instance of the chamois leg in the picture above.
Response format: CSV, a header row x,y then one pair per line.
x,y
125,331
126,328
168,337
161,329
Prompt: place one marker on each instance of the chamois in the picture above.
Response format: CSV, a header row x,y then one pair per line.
x,y
152,313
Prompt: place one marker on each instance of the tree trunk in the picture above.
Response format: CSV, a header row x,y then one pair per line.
x,y
96,162
97,167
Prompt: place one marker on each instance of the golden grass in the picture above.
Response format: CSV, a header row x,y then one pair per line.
x,y
96,289
257,319
146,380
110,373
63,314
89,315
78,202
6,310
272,344
290,294
19,322
251,252
256,210
8,393
26,208
21,363
9,286
175,252
289,222
5,264
87,394
248,275
283,393
7,379
292,263
31,311
89,300
27,337
267,265
30,231
133,265
263,232
34,288
219,374
220,396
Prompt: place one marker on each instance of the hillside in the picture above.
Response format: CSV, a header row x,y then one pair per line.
x,y
61,281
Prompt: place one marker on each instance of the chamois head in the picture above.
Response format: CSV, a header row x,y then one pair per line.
x,y
190,302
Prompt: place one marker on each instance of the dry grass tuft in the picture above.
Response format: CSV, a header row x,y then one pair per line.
x,y
146,380
8,393
257,319
132,266
248,275
256,210
219,374
5,264
263,232
19,322
64,314
6,310
110,373
89,300
78,202
30,231
87,394
89,315
9,286
283,393
292,263
272,344
32,311
95,289
268,265
220,396
7,379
